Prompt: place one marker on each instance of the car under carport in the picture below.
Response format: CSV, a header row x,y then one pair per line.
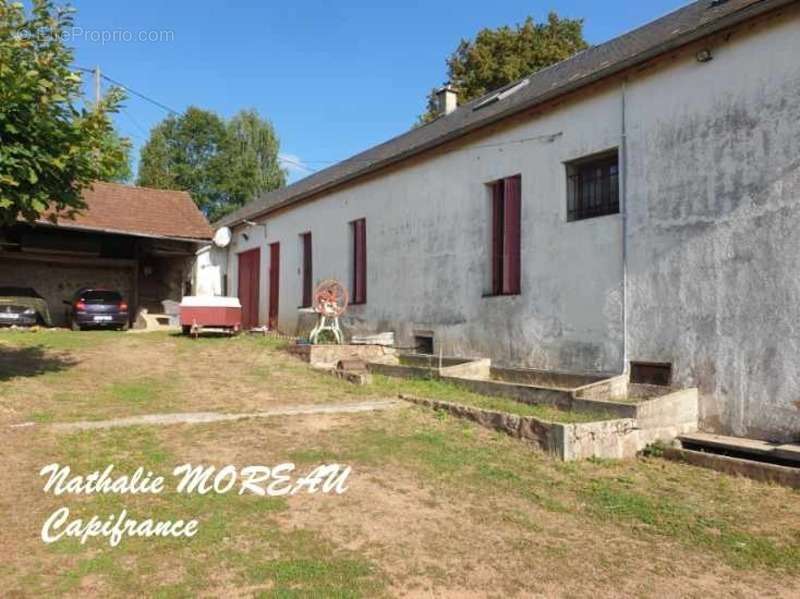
x,y
139,241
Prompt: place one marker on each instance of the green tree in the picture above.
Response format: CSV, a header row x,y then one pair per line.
x,y
222,164
496,57
50,149
249,162
116,153
183,153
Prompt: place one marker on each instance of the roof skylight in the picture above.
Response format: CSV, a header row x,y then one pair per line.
x,y
502,94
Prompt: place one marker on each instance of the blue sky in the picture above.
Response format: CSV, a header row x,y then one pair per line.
x,y
333,77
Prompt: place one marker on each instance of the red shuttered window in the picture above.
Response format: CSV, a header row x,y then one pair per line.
x,y
308,276
359,287
506,236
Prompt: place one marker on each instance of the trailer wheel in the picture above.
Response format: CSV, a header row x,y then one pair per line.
x,y
186,329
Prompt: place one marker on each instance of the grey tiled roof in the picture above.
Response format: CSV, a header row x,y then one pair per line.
x,y
676,29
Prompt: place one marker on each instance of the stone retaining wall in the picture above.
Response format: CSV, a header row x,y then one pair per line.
x,y
560,398
611,389
660,418
474,369
763,471
403,372
612,439
327,356
634,424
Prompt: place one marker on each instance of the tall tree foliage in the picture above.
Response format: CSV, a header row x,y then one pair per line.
x,y
249,161
497,57
118,168
51,147
222,164
183,153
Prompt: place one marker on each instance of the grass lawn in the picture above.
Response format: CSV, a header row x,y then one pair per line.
x,y
435,506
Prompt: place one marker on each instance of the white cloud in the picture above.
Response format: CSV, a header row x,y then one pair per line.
x,y
294,166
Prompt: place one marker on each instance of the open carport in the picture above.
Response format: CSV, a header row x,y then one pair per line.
x,y
139,241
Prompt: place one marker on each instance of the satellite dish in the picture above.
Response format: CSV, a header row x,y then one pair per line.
x,y
222,237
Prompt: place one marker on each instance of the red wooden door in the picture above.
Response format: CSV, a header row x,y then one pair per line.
x,y
249,266
308,271
274,283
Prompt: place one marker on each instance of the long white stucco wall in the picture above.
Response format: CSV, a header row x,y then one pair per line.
x,y
428,242
713,256
714,215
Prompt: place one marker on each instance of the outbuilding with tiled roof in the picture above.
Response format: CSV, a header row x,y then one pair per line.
x,y
139,241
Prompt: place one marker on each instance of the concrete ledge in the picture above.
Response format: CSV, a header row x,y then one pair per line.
x,y
618,409
327,356
552,379
402,372
431,361
782,475
611,439
474,369
679,409
522,393
634,425
521,427
744,448
611,389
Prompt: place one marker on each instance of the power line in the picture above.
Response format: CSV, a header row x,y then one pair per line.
x,y
141,95
298,164
549,137
132,91
135,122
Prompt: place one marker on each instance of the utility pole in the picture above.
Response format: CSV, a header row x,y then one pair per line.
x,y
96,74
97,85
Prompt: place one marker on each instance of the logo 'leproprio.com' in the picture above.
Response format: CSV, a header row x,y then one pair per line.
x,y
108,36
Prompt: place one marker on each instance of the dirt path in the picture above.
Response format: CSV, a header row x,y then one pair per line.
x,y
206,417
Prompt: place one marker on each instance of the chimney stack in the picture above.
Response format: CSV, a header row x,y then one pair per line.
x,y
447,98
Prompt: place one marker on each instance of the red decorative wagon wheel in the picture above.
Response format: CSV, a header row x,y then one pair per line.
x,y
330,299
330,302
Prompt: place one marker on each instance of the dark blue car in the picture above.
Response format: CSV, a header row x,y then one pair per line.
x,y
98,308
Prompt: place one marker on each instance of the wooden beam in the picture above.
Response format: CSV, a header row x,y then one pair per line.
x,y
136,272
67,260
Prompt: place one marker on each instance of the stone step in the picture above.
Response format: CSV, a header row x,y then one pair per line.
x,y
763,450
154,322
763,471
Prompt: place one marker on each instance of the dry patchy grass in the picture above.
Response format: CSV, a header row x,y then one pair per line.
x,y
49,376
435,506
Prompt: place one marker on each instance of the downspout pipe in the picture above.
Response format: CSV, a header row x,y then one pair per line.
x,y
623,192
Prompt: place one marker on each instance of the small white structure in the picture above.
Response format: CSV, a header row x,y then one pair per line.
x,y
209,273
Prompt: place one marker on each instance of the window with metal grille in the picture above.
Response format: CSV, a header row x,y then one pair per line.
x,y
506,238
359,288
593,186
308,276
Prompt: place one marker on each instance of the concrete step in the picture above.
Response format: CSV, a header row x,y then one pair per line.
x,y
762,471
785,453
154,322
